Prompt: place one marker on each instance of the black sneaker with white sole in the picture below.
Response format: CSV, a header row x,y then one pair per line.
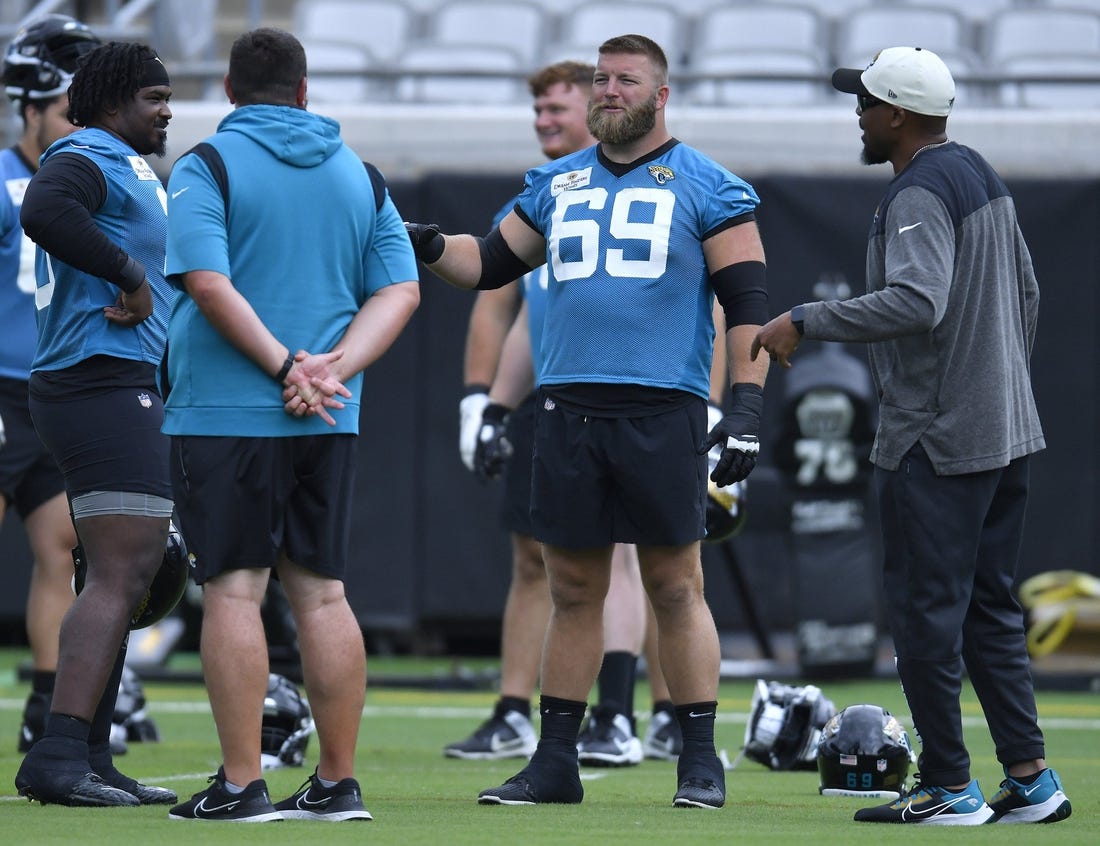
x,y
663,738
217,804
609,740
313,801
506,734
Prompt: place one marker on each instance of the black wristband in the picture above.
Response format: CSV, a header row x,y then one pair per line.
x,y
797,319
495,413
131,275
282,374
475,388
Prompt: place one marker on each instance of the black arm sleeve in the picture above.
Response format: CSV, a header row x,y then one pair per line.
x,y
742,290
57,215
499,265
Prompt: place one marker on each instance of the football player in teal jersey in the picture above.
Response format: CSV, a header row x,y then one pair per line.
x,y
38,67
97,211
641,233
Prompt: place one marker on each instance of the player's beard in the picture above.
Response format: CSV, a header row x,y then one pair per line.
x,y
632,123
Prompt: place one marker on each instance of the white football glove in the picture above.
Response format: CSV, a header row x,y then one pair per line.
x,y
469,424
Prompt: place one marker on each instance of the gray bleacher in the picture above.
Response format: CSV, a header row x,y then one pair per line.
x,y
754,94
739,52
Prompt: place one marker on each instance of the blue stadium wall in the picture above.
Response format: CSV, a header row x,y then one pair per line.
x,y
428,555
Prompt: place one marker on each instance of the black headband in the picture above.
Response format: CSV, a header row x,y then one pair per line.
x,y
153,73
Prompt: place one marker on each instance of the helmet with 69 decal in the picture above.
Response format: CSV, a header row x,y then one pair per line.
x,y
864,751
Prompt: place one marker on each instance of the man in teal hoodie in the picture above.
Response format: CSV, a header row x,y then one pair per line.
x,y
297,275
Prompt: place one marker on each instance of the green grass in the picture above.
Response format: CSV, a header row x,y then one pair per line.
x,y
418,797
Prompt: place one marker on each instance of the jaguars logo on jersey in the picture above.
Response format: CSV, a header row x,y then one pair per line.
x,y
661,173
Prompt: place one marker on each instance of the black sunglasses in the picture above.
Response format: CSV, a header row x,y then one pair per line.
x,y
866,101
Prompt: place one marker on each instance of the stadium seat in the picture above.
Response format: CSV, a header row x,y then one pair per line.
x,y
1031,90
1044,42
323,58
517,25
384,26
979,11
581,31
760,26
734,91
1040,31
860,35
448,73
942,30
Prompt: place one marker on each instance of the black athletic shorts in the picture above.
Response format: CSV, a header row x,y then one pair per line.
x,y
240,500
109,440
28,473
603,480
515,507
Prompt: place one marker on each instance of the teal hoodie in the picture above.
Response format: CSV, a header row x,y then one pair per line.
x,y
304,241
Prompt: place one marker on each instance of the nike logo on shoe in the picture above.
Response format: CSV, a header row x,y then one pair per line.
x,y
496,744
202,810
305,803
1033,788
914,813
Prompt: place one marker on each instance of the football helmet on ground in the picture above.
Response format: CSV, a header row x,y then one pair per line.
x,y
785,725
865,752
287,725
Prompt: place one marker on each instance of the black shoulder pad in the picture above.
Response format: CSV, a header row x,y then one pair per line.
x,y
216,165
378,182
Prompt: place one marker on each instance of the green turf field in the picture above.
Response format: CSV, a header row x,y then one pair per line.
x,y
418,797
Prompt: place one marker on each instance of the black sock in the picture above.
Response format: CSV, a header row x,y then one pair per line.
x,y
64,725
514,703
561,721
617,682
42,681
1028,779
697,726
666,706
105,711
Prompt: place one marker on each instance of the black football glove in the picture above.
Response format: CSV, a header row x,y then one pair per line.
x,y
493,447
739,435
427,241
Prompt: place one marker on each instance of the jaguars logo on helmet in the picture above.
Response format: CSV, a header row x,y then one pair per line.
x,y
785,725
864,751
41,58
287,725
167,587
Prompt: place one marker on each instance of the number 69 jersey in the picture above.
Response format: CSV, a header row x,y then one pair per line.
x,y
629,301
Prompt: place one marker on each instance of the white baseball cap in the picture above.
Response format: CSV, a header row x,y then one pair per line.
x,y
910,78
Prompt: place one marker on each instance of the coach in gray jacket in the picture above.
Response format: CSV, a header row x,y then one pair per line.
x,y
950,315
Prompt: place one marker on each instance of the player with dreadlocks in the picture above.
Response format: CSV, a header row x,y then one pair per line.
x,y
97,212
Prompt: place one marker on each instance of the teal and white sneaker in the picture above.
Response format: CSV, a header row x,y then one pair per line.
x,y
931,805
1042,801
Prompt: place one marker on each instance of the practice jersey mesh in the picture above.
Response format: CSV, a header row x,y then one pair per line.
x,y
628,300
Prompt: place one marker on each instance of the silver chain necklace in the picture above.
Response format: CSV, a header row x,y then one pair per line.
x,y
929,147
